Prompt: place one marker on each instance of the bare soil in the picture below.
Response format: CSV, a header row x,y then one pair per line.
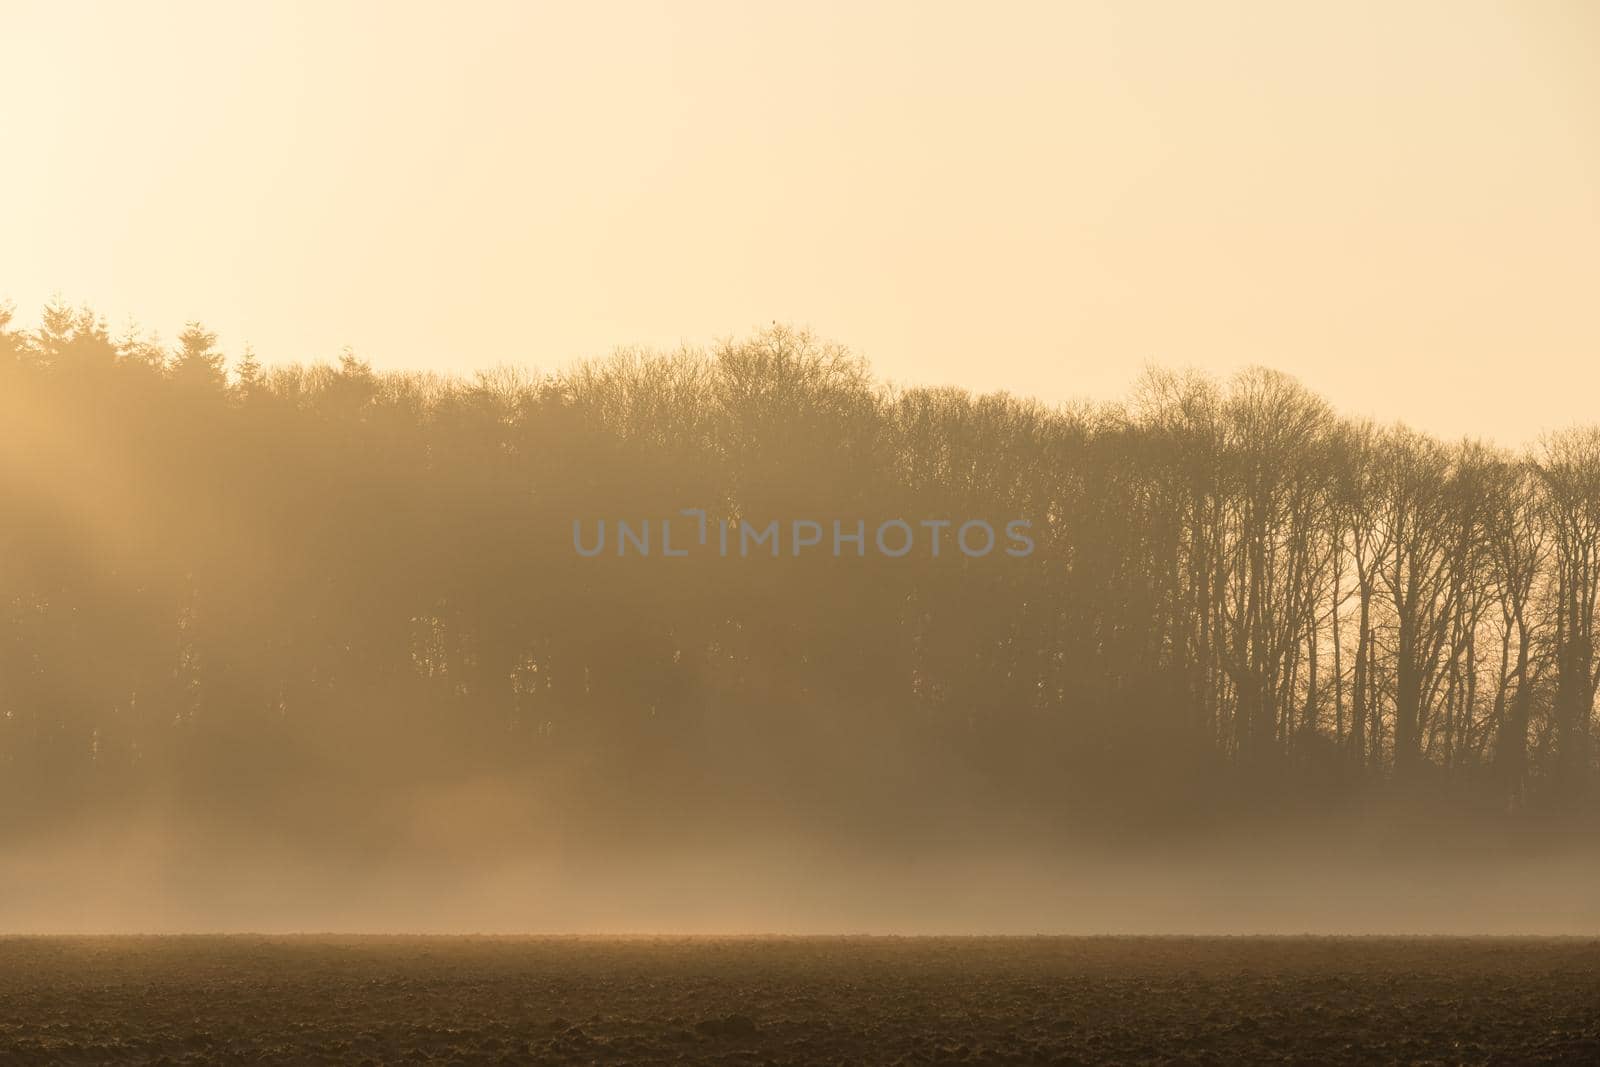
x,y
246,999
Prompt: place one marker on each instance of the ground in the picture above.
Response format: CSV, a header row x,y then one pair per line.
x,y
803,1000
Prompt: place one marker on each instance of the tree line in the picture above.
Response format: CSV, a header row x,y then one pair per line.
x,y
226,581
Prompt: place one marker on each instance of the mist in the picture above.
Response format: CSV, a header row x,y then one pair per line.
x,y
481,859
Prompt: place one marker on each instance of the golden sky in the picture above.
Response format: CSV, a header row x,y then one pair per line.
x,y
1397,202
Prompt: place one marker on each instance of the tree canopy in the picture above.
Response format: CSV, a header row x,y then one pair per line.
x,y
233,585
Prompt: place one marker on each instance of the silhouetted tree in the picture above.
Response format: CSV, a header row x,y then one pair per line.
x,y
319,576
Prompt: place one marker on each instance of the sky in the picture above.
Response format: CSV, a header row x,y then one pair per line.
x,y
1398,203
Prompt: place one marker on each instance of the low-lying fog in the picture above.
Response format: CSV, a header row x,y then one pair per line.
x,y
487,859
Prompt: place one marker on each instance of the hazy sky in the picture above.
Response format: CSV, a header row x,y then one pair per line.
x,y
1397,202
